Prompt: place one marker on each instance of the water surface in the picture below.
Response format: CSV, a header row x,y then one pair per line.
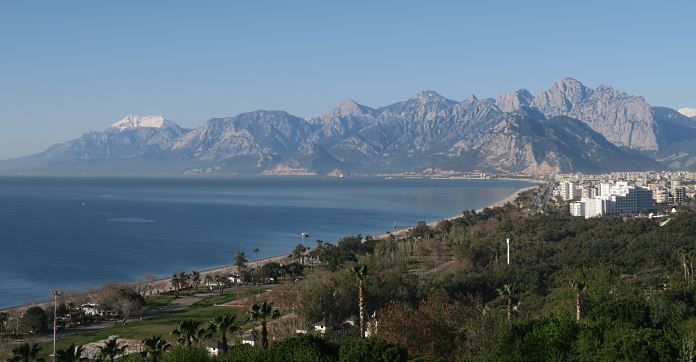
x,y
78,232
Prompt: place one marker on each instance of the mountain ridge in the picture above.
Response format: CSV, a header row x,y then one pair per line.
x,y
567,127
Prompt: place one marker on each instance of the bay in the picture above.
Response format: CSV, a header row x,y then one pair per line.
x,y
79,232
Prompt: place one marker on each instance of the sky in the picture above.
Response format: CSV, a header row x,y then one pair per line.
x,y
68,67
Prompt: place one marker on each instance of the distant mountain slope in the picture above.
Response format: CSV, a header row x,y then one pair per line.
x,y
623,119
568,127
131,145
520,143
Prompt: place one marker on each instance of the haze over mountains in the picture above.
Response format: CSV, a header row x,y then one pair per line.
x,y
567,127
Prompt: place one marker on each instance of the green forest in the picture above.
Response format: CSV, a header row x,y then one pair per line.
x,y
576,289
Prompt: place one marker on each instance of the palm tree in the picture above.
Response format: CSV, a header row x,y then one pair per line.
x,y
26,353
223,324
359,273
262,312
71,354
578,287
3,320
298,253
240,261
176,283
508,292
154,347
188,331
208,280
195,279
110,350
685,258
256,251
185,279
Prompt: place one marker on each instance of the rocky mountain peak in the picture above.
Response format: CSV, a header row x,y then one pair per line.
x,y
347,108
563,95
132,121
427,97
510,101
625,120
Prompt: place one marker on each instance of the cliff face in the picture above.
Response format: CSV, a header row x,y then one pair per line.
x,y
623,119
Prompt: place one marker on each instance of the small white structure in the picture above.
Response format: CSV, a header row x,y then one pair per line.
x,y
235,279
91,309
320,327
213,350
249,339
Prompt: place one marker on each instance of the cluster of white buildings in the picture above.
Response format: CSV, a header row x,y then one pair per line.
x,y
614,197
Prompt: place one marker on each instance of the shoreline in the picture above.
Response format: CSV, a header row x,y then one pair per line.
x,y
163,284
434,223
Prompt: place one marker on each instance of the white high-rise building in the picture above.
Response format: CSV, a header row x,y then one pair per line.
x,y
569,191
604,189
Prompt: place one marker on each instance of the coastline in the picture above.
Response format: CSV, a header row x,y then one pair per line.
x,y
511,197
278,258
163,284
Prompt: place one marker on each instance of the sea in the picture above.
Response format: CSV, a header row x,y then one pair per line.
x,y
72,233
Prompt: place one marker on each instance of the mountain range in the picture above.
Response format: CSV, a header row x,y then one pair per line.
x,y
567,127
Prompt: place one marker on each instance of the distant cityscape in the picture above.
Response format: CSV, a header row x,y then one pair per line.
x,y
624,193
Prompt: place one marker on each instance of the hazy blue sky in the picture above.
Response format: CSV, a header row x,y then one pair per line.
x,y
67,67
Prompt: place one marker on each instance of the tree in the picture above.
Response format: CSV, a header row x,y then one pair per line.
x,y
371,349
578,287
262,312
176,283
298,253
270,270
188,331
154,347
111,349
71,354
240,260
129,303
3,320
34,320
195,279
509,294
256,251
26,352
687,264
223,324
185,280
359,273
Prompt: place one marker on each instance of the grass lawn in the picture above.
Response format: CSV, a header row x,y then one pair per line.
x,y
156,302
203,311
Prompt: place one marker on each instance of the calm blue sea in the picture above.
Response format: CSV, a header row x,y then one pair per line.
x,y
78,232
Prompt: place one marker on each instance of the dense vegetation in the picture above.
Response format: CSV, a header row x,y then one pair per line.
x,y
575,289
